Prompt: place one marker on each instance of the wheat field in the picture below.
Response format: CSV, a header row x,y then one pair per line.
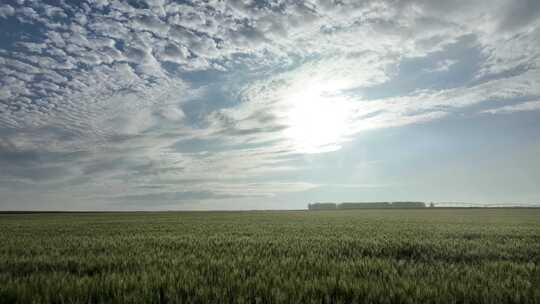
x,y
431,255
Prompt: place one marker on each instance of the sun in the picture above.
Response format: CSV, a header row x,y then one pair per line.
x,y
316,120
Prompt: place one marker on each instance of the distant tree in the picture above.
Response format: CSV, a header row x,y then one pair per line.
x,y
408,205
322,206
352,205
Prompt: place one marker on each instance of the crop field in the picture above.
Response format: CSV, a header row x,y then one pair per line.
x,y
430,255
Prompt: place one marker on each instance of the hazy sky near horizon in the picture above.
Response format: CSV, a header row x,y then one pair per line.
x,y
153,105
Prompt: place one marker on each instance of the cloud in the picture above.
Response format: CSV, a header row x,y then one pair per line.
x,y
519,14
219,191
520,107
100,96
442,66
6,10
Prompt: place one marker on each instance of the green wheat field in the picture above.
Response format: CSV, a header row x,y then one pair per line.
x,y
431,255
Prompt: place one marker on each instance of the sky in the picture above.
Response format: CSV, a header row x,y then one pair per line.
x,y
197,105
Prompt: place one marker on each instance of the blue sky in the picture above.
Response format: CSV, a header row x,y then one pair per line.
x,y
165,105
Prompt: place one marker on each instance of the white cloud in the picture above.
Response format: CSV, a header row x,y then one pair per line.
x,y
117,80
442,66
6,10
520,107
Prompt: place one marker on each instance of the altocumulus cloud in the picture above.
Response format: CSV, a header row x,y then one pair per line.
x,y
103,103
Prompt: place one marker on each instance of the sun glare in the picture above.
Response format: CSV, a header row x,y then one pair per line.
x,y
317,121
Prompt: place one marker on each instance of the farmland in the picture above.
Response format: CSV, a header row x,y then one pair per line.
x,y
430,255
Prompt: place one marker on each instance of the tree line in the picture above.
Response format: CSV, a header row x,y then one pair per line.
x,y
354,205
